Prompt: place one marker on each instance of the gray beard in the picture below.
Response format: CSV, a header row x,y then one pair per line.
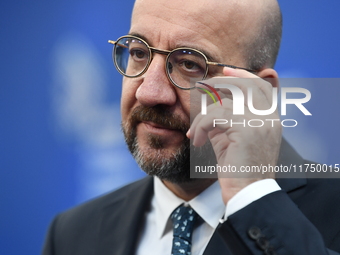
x,y
154,160
174,168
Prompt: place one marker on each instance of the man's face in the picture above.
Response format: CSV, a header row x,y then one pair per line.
x,y
155,113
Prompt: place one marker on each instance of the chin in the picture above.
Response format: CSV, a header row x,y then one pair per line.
x,y
167,164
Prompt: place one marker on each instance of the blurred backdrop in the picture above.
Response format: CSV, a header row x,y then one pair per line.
x,y
60,139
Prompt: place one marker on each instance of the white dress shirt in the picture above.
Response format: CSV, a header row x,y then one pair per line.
x,y
156,237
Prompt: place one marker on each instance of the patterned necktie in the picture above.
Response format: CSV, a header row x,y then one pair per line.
x,y
183,219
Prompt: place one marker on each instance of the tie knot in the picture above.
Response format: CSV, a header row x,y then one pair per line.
x,y
183,219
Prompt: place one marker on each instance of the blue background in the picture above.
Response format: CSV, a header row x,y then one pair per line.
x,y
60,140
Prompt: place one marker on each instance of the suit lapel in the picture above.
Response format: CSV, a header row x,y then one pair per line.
x,y
121,220
217,245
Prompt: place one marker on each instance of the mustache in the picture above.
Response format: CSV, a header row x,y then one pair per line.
x,y
159,115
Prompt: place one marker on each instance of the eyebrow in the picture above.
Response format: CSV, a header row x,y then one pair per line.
x,y
209,57
140,36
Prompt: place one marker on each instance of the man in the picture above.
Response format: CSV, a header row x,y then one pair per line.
x,y
251,215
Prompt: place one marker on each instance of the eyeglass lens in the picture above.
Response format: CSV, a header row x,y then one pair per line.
x,y
184,66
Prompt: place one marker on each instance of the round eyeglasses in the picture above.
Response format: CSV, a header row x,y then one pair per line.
x,y
184,66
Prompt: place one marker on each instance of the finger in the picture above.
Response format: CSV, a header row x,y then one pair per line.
x,y
203,124
269,74
240,73
260,92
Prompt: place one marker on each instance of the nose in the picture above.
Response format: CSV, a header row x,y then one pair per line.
x,y
156,88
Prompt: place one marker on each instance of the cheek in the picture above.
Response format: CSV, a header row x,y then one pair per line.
x,y
195,110
128,97
185,101
195,104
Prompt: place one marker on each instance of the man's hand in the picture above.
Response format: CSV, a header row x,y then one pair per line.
x,y
237,144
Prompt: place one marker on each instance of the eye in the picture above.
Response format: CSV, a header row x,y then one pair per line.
x,y
138,54
187,64
190,66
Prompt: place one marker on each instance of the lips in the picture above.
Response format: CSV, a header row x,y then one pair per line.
x,y
155,125
155,128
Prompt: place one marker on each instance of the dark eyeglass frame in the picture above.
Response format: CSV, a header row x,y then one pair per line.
x,y
168,54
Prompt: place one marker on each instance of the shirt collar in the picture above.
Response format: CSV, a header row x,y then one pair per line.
x,y
210,210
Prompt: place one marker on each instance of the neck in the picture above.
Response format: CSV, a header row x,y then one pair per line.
x,y
189,190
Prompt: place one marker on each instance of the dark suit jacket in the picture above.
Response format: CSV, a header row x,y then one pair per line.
x,y
303,219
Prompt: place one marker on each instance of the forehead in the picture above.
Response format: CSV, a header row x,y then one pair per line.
x,y
213,24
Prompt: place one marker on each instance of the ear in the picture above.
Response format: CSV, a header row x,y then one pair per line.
x,y
270,75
